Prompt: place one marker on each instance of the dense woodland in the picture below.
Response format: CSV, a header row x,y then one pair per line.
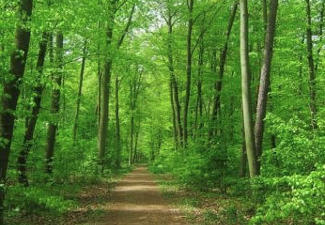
x,y
226,96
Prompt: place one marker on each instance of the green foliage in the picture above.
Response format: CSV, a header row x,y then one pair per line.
x,y
296,198
37,200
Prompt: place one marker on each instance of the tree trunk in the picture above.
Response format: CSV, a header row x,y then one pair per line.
x,y
11,92
188,68
32,120
265,80
223,58
55,105
174,82
199,101
320,33
311,66
131,140
117,118
246,93
105,90
171,93
81,78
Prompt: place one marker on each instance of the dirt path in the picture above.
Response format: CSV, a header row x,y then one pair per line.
x,y
136,200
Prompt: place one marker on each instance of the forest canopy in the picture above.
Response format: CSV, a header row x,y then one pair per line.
x,y
226,96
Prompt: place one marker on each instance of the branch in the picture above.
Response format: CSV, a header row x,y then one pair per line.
x,y
127,27
120,6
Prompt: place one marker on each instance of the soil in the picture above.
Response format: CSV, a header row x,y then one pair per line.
x,y
137,200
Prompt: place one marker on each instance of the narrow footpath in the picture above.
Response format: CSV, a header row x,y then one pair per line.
x,y
137,200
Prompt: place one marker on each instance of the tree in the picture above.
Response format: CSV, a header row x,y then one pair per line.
x,y
55,104
11,92
265,79
82,72
246,94
311,66
190,5
32,120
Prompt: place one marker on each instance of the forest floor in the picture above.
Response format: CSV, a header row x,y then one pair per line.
x,y
137,200
206,207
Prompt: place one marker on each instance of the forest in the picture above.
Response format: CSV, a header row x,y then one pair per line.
x,y
219,103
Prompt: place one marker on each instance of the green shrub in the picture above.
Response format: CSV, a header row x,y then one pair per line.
x,y
296,198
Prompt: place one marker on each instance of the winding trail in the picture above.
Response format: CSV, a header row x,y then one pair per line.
x,y
137,200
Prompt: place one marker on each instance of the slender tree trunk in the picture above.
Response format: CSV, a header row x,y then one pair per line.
x,y
11,92
199,100
117,118
131,153
320,33
136,153
223,58
265,80
265,15
173,80
246,93
171,93
188,68
32,120
55,105
81,79
311,66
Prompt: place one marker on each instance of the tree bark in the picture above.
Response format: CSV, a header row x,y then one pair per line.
x,y
320,33
311,66
117,120
264,85
173,81
199,101
32,120
172,103
105,90
246,93
81,78
11,92
190,4
55,105
223,58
